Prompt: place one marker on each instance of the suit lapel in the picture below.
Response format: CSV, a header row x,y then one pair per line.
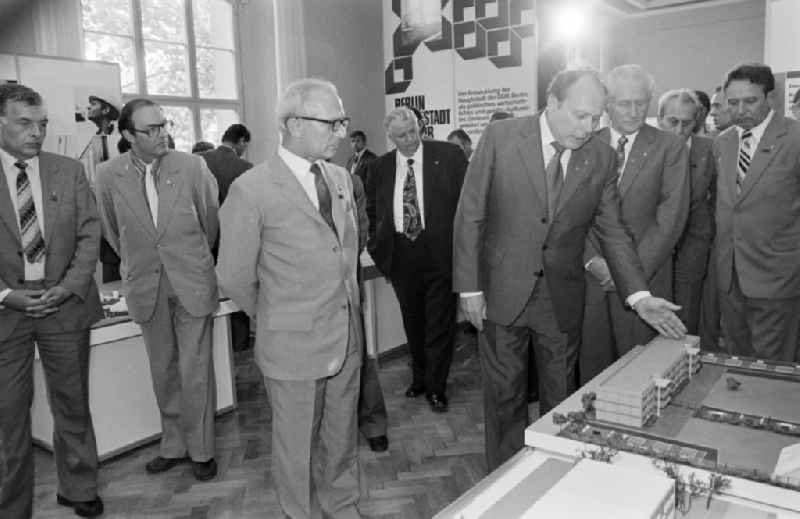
x,y
171,185
637,158
388,178
577,168
338,194
51,194
430,175
530,149
769,146
7,207
130,187
293,191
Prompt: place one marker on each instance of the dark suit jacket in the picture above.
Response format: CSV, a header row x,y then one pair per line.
x,y
72,238
654,202
504,241
691,252
443,167
225,165
361,169
760,227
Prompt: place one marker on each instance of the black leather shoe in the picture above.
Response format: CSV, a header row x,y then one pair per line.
x,y
438,402
158,464
415,391
204,470
91,508
378,443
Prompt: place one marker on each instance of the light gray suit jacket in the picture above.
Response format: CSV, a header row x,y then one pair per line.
x,y
72,239
761,226
281,263
181,244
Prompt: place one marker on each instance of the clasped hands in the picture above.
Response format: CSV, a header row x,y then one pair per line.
x,y
36,303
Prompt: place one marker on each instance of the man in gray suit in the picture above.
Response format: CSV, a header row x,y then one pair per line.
x,y
676,111
50,234
533,189
653,184
159,212
299,281
758,219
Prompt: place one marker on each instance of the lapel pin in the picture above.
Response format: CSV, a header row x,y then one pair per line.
x,y
340,191
767,150
53,196
169,182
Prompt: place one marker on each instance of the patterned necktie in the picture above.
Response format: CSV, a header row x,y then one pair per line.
x,y
745,154
555,178
623,140
324,196
412,220
32,241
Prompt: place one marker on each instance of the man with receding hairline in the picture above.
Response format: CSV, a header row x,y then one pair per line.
x,y
288,258
676,111
534,187
653,186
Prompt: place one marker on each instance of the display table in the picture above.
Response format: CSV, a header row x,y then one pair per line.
x,y
121,397
383,322
728,441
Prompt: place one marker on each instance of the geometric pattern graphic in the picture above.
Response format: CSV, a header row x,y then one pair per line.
x,y
490,29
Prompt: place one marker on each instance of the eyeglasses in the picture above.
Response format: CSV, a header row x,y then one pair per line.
x,y
335,124
154,130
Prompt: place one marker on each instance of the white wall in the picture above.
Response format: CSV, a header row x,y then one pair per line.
x,y
691,47
782,35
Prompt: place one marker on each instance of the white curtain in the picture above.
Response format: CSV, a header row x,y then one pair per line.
x,y
57,27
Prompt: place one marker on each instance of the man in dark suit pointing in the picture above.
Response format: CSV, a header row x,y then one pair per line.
x,y
534,187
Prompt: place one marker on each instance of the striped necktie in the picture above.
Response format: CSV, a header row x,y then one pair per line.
x,y
745,155
323,196
623,140
30,232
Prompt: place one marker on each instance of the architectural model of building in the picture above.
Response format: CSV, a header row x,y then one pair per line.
x,y
642,387
599,485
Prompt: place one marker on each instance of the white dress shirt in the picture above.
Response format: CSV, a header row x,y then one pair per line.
x,y
401,171
547,146
615,135
151,192
33,271
357,161
757,131
301,168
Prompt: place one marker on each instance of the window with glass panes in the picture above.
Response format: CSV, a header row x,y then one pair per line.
x,y
180,53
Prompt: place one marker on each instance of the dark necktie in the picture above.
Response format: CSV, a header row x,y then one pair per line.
x,y
623,140
412,220
323,196
554,174
745,155
30,232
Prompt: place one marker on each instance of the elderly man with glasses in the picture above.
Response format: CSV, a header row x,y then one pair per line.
x,y
288,253
159,213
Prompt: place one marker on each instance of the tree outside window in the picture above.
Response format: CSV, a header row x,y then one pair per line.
x,y
188,68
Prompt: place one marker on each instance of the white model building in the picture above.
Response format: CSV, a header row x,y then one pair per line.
x,y
646,382
605,491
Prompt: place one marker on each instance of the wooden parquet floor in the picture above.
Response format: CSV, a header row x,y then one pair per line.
x,y
432,458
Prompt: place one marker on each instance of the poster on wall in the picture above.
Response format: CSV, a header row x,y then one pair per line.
x,y
791,87
460,61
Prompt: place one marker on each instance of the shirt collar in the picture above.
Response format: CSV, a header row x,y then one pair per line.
x,y
402,160
758,131
615,135
544,130
295,162
8,161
